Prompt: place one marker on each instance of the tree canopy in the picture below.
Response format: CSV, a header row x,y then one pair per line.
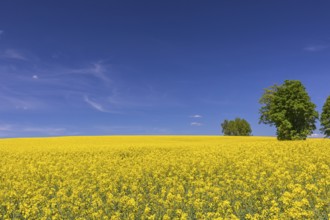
x,y
325,118
237,127
289,108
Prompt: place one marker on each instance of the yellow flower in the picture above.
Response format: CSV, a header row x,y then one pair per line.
x,y
164,177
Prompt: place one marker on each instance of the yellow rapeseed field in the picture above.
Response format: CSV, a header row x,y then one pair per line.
x,y
164,177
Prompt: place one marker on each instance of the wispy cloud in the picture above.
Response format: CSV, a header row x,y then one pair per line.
x,y
18,102
315,48
97,70
316,135
196,124
44,130
1,33
35,83
196,116
6,127
14,54
15,130
95,105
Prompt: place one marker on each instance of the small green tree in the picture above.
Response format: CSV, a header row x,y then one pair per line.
x,y
237,127
290,109
325,118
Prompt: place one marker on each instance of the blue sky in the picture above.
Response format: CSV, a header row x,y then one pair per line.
x,y
154,67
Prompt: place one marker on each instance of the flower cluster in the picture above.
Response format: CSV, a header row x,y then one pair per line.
x,y
169,177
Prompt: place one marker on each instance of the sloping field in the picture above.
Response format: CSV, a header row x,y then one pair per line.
x,y
164,177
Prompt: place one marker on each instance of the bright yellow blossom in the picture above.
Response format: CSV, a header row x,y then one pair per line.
x,y
164,177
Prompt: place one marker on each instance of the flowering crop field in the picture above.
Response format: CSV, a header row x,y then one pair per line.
x,y
164,177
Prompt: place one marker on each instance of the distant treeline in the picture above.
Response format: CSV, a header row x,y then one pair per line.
x,y
289,108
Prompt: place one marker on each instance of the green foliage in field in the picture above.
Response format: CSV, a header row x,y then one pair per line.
x,y
237,127
325,118
290,109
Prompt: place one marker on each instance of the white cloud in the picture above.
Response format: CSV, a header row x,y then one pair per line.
x,y
98,70
316,135
35,77
195,124
315,48
196,116
13,54
95,105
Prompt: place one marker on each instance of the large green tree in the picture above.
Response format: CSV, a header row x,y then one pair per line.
x,y
237,127
325,118
289,108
